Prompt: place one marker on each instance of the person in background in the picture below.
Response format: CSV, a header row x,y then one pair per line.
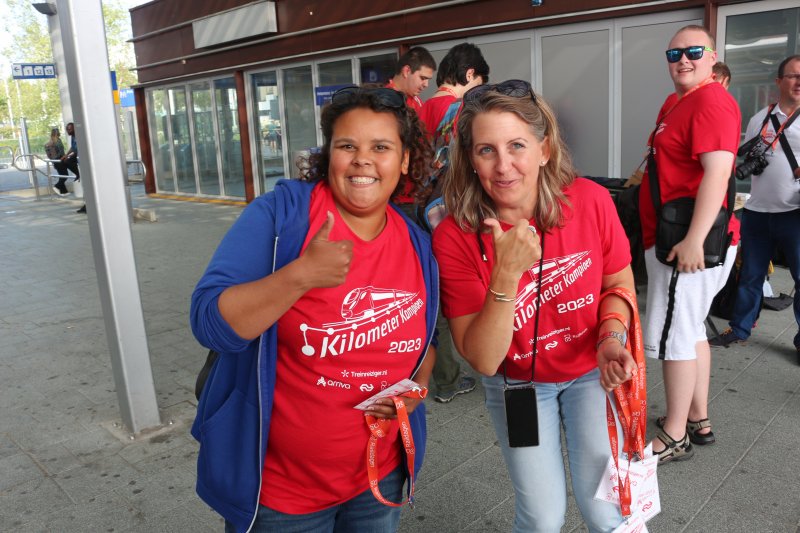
x,y
771,216
722,74
321,295
525,252
694,144
55,152
459,71
70,159
414,70
413,73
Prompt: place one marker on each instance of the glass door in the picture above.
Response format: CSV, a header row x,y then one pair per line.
x,y
230,145
268,129
301,131
204,145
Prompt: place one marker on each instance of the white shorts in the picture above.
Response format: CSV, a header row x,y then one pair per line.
x,y
677,308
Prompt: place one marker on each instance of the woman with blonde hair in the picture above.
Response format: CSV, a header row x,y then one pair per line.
x,y
524,256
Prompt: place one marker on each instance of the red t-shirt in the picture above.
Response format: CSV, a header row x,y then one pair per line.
x,y
707,120
337,347
411,101
590,245
433,110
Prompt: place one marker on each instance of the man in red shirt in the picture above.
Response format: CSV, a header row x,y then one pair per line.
x,y
693,146
414,71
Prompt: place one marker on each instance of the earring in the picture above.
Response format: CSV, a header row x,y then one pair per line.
x,y
542,163
474,171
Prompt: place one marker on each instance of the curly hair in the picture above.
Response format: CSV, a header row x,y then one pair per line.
x,y
409,128
464,195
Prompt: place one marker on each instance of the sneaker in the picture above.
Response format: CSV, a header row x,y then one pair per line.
x,y
467,384
82,209
725,339
60,192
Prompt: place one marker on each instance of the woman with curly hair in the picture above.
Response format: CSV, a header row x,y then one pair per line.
x,y
318,298
525,254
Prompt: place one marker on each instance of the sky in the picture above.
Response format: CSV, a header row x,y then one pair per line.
x,y
5,63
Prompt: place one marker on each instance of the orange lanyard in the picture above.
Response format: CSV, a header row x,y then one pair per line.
x,y
678,101
767,124
448,90
631,401
379,428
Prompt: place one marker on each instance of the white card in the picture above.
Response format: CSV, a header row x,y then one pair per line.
x,y
645,500
395,390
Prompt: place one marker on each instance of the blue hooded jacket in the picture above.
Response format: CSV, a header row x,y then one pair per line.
x,y
233,414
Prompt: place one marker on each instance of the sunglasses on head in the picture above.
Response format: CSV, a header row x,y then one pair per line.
x,y
515,88
693,53
385,96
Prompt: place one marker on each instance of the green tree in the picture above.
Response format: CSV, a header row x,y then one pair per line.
x,y
39,101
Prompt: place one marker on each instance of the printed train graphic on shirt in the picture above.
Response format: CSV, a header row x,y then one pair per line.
x,y
369,314
558,273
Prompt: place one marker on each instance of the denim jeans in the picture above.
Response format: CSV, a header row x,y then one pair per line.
x,y
761,233
361,514
538,474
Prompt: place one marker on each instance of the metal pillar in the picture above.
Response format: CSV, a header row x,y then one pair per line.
x,y
87,70
56,40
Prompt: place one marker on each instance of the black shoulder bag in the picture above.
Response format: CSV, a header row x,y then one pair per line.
x,y
674,217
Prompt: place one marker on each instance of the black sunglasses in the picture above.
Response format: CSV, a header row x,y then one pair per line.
x,y
384,96
693,53
515,88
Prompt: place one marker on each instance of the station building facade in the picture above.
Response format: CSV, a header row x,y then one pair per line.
x,y
230,91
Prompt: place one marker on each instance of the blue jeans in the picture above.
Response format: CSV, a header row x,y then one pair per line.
x,y
761,233
538,474
361,514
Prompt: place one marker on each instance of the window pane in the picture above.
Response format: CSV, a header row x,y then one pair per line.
x,y
230,145
377,69
159,135
755,44
300,127
268,124
181,141
568,61
336,73
204,145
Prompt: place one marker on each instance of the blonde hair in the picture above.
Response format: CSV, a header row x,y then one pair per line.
x,y
463,193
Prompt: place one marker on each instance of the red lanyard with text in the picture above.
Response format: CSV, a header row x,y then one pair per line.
x,y
379,428
631,401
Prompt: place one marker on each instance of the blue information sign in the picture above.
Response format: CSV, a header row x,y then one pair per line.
x,y
323,94
126,98
33,71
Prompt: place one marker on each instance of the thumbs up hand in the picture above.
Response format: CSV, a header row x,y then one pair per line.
x,y
326,262
515,250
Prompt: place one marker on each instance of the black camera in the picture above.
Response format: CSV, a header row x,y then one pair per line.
x,y
754,160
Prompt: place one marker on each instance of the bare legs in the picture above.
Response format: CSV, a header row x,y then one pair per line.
x,y
686,385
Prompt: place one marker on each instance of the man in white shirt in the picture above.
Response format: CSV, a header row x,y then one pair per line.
x,y
771,216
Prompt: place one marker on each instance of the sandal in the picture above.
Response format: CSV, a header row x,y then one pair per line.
x,y
693,430
676,450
